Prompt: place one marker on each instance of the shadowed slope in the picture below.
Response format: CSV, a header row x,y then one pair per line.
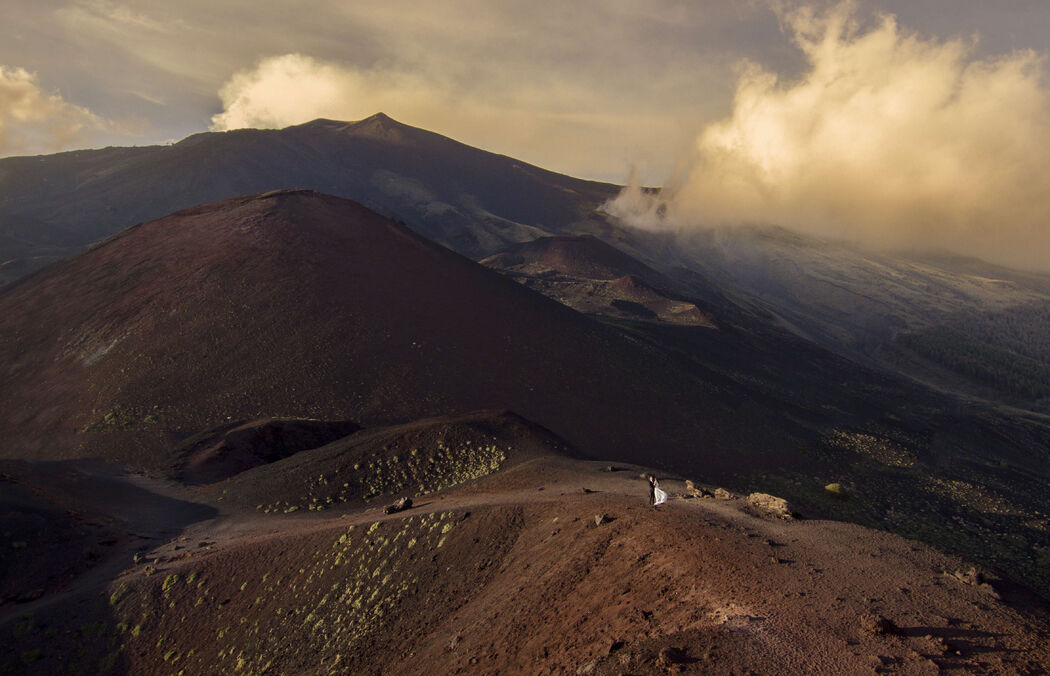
x,y
219,453
294,304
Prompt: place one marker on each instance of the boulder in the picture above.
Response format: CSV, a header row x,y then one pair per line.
x,y
671,656
976,578
696,491
399,505
837,490
877,624
769,505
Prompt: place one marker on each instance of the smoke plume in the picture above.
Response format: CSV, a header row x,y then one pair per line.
x,y
888,138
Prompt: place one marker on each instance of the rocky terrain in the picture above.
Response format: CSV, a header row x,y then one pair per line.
x,y
593,277
546,564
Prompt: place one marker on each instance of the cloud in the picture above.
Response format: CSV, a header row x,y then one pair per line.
x,y
293,88
887,138
547,123
32,120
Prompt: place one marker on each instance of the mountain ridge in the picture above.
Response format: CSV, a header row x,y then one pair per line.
x,y
472,200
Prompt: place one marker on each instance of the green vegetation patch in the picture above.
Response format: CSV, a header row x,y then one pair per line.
x,y
416,471
348,585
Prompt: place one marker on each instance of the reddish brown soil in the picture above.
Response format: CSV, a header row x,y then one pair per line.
x,y
512,574
295,304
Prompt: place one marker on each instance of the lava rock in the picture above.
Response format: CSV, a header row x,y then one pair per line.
x,y
877,624
769,505
399,505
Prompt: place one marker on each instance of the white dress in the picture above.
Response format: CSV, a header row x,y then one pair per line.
x,y
659,496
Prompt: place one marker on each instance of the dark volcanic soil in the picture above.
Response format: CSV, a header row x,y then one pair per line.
x,y
593,277
514,574
216,454
295,304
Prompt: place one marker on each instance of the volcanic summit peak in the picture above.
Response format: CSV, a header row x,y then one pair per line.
x,y
379,126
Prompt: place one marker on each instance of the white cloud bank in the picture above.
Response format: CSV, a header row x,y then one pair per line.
x,y
32,120
887,138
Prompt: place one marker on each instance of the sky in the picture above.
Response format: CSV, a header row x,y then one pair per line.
x,y
892,122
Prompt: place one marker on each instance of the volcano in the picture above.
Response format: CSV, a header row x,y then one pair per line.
x,y
473,201
293,304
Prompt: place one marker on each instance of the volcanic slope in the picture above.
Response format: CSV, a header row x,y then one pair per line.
x,y
294,304
414,459
591,276
551,565
473,201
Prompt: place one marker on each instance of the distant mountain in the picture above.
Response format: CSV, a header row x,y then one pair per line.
x,y
295,304
473,201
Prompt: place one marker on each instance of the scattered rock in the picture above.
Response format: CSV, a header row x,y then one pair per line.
x,y
972,577
695,491
723,494
877,624
399,505
587,668
837,490
138,558
976,578
936,643
599,519
670,656
610,468
29,596
769,505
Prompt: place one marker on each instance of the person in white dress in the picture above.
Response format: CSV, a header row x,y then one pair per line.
x,y
657,496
